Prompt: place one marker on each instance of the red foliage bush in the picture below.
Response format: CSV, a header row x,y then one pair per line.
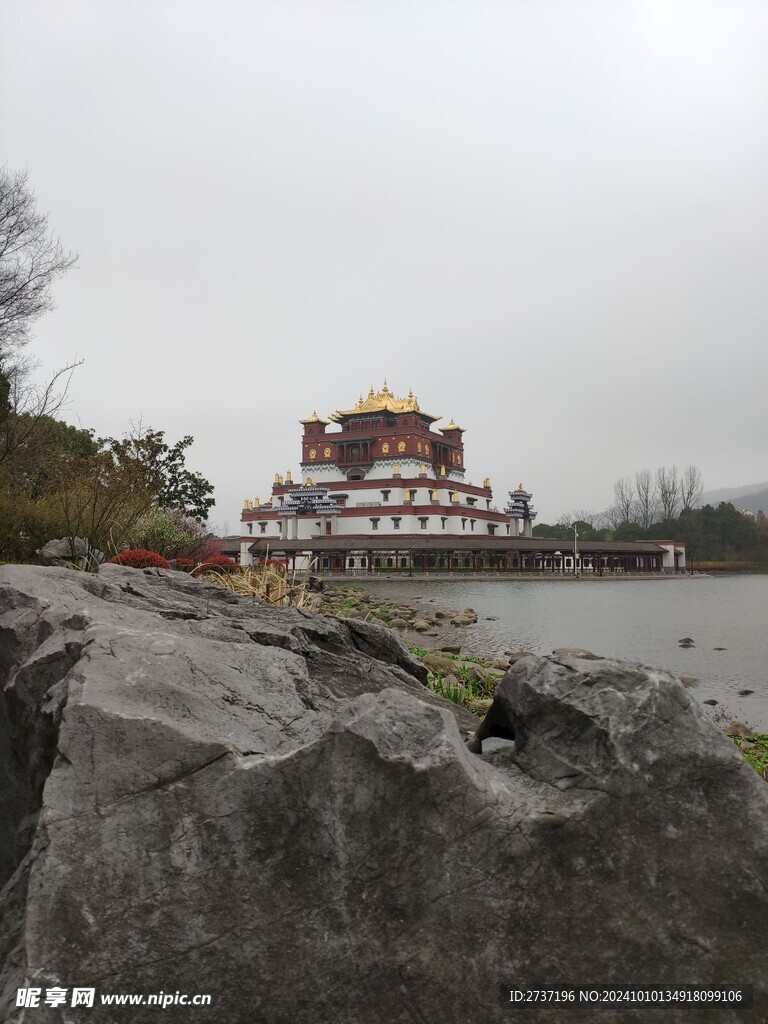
x,y
139,558
219,563
185,564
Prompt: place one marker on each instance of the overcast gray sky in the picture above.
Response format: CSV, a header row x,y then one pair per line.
x,y
549,219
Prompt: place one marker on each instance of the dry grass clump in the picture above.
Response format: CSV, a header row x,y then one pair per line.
x,y
273,584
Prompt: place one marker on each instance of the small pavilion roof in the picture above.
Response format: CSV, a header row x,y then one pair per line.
x,y
314,418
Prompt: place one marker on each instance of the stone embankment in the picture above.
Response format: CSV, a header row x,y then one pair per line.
x,y
201,793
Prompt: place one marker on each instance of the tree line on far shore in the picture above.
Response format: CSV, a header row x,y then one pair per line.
x,y
665,505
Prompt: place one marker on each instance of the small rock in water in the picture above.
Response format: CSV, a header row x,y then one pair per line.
x,y
451,648
573,652
719,648
491,618
745,693
689,680
713,703
686,640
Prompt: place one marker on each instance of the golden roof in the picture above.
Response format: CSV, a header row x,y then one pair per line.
x,y
452,426
383,401
314,418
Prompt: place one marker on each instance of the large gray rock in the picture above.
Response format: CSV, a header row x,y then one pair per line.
x,y
206,795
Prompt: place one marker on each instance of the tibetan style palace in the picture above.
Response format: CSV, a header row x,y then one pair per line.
x,y
387,492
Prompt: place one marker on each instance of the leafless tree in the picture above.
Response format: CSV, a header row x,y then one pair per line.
x,y
27,404
645,506
31,259
623,508
691,488
667,492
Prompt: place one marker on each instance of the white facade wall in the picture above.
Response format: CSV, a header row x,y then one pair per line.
x,y
323,473
368,502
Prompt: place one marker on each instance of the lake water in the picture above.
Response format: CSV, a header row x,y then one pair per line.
x,y
637,620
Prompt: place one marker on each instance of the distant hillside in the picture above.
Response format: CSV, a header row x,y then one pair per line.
x,y
754,497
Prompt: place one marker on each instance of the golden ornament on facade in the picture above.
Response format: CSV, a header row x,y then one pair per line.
x,y
312,453
442,471
396,468
385,448
401,446
418,447
327,453
426,449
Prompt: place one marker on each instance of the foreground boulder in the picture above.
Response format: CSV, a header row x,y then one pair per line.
x,y
205,795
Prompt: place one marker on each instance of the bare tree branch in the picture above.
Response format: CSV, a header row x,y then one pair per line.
x,y
645,498
691,488
667,492
31,259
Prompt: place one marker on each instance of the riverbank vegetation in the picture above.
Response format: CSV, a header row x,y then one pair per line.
x,y
754,747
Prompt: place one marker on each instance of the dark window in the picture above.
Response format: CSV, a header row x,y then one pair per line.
x,y
263,527
250,527
385,495
396,522
374,524
423,523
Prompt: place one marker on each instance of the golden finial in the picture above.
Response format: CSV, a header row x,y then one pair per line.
x,y
288,479
371,393
257,502
385,389
455,498
520,487
433,495
308,482
442,471
487,482
423,469
277,478
396,469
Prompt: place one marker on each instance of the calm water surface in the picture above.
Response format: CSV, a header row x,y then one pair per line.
x,y
638,620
